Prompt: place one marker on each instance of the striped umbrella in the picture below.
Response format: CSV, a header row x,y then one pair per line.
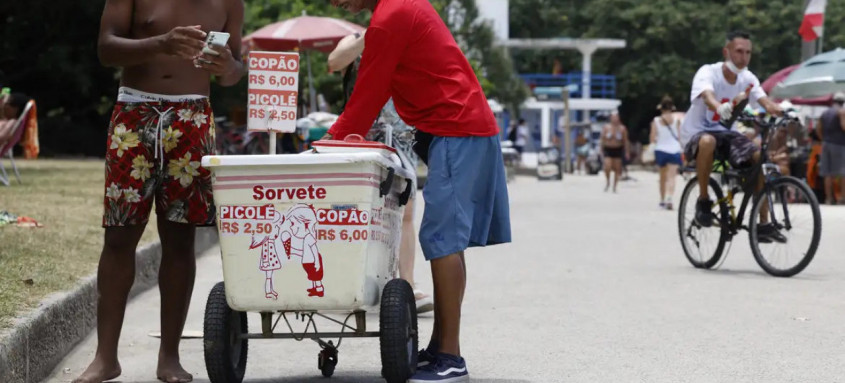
x,y
819,76
302,33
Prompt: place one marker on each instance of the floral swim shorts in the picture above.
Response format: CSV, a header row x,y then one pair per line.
x,y
154,151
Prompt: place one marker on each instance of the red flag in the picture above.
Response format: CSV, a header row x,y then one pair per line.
x,y
813,23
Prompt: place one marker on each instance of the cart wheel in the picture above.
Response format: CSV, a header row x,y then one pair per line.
x,y
225,351
398,332
327,361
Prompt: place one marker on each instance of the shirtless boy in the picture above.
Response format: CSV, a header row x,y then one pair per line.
x,y
160,128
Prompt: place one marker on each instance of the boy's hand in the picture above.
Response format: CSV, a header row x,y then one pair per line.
x,y
220,64
183,42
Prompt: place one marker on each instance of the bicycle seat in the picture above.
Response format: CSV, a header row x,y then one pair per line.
x,y
719,166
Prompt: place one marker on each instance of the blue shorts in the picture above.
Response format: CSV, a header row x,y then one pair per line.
x,y
466,196
662,158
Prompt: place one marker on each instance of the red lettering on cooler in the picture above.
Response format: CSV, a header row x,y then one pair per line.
x,y
342,217
302,193
266,212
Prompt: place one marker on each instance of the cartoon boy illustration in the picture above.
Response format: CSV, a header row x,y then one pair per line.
x,y
303,243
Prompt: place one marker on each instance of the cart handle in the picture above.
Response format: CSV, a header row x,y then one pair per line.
x,y
406,195
387,183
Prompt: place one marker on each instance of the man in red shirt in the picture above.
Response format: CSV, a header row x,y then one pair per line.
x,y
410,55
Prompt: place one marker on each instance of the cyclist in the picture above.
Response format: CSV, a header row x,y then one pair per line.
x,y
716,88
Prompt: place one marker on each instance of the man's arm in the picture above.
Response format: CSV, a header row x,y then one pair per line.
x,y
601,138
702,86
841,119
626,142
116,48
710,100
652,137
3,100
382,52
228,65
348,49
819,128
770,106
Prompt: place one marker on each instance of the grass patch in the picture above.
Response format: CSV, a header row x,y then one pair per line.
x,y
66,196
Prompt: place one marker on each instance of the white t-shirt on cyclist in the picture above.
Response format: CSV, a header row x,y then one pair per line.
x,y
710,77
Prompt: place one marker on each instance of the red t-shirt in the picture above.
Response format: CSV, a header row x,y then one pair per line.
x,y
410,55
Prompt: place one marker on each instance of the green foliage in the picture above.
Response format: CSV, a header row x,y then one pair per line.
x,y
49,52
259,13
667,41
492,63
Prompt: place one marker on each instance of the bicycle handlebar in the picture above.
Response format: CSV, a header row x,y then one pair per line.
x,y
740,114
738,111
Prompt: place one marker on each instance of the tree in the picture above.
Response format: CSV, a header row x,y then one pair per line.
x,y
49,52
493,64
667,41
259,13
542,19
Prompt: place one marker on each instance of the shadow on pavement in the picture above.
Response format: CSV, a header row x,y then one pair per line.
x,y
761,273
338,379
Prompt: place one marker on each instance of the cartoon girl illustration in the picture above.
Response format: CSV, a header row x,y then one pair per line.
x,y
303,244
269,260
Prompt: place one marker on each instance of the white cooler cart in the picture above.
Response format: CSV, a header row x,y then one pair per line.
x,y
307,235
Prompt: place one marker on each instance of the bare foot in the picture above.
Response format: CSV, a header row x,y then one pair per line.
x,y
98,372
172,372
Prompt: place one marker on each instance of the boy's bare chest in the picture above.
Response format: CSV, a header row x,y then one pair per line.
x,y
155,17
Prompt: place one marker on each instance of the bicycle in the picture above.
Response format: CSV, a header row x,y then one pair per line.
x,y
788,199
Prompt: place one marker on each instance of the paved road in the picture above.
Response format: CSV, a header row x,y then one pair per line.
x,y
595,288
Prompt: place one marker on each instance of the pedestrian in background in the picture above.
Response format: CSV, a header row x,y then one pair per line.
x,y
832,132
665,133
615,147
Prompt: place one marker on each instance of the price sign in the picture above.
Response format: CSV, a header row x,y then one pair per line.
x,y
273,91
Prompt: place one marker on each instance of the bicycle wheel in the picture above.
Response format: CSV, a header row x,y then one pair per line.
x,y
794,211
703,246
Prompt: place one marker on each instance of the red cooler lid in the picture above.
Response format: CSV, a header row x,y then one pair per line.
x,y
352,141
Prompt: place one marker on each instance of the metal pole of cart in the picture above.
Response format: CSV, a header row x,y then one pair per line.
x,y
272,142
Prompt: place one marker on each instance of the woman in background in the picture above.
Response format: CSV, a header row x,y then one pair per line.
x,y
665,133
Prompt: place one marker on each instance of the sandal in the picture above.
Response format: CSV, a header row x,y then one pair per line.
x,y
424,302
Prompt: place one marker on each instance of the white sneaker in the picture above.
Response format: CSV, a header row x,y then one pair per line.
x,y
424,304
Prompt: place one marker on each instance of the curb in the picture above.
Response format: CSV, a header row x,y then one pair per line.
x,y
31,349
